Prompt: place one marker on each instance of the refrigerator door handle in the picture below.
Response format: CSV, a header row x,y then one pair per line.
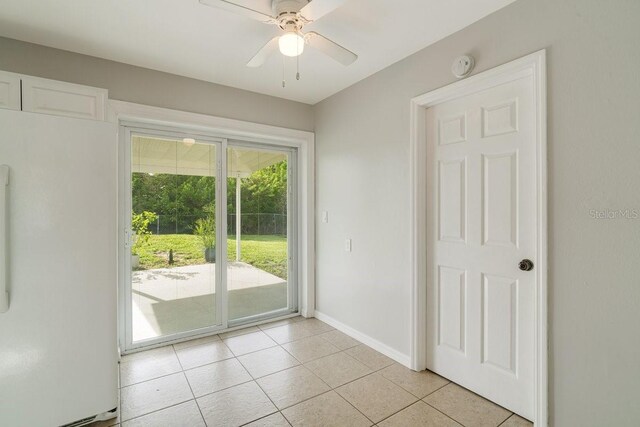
x,y
4,183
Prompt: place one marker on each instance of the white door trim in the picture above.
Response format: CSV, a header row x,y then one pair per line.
x,y
533,65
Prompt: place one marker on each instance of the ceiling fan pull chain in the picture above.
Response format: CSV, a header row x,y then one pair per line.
x,y
283,64
298,61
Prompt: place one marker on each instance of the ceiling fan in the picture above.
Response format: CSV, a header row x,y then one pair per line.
x,y
291,16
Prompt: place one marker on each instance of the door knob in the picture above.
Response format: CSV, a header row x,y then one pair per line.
x,y
525,265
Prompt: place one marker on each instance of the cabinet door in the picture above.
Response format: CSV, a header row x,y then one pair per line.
x,y
9,90
63,99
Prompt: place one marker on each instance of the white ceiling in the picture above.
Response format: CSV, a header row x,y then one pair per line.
x,y
186,38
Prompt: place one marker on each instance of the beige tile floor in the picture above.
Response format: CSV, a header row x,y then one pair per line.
x,y
296,372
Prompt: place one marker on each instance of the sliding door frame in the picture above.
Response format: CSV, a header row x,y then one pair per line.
x,y
301,212
292,256
127,131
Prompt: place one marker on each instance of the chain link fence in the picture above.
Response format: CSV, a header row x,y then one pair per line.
x,y
252,223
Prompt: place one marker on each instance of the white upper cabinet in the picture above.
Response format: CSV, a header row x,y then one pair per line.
x,y
9,90
37,95
63,99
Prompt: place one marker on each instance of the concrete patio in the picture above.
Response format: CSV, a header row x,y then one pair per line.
x,y
170,300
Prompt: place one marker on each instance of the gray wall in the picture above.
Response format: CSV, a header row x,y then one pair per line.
x,y
144,86
362,136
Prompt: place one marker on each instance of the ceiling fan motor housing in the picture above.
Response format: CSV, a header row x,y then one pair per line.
x,y
287,14
288,6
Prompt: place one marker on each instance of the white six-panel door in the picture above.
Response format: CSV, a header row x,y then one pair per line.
x,y
482,221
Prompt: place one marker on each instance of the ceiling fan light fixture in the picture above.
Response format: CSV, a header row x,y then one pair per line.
x,y
291,44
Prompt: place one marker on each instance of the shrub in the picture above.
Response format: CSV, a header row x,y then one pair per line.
x,y
140,226
205,228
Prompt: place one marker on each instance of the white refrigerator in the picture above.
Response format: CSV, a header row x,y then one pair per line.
x,y
58,270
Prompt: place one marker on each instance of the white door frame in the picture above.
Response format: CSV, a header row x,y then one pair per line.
x,y
534,66
120,112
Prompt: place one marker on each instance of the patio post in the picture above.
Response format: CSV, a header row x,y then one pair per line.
x,y
238,217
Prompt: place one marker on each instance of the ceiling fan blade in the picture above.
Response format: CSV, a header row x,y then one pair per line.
x,y
316,9
258,15
262,55
330,48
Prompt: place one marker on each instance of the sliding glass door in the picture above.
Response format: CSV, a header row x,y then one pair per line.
x,y
259,258
173,228
210,239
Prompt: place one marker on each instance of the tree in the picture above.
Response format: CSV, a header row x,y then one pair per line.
x,y
179,200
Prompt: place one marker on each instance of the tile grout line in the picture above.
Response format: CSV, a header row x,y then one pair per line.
x,y
507,419
266,416
311,360
304,400
322,394
156,410
398,411
175,404
458,385
353,406
373,373
194,345
223,389
261,389
189,384
439,388
207,363
350,381
312,397
251,352
398,385
152,379
442,412
167,374
446,415
184,347
334,389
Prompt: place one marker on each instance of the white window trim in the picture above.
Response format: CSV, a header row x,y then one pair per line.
x,y
304,142
531,65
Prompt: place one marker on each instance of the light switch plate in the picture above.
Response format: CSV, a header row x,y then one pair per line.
x,y
347,245
325,216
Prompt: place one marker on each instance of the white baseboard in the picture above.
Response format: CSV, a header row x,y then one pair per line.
x,y
401,358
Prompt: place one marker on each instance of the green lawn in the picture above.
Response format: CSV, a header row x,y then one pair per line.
x,y
268,253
